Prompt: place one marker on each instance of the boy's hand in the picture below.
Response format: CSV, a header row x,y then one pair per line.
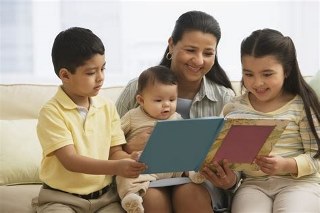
x,y
129,168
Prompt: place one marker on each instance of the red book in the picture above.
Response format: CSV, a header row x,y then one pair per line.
x,y
241,140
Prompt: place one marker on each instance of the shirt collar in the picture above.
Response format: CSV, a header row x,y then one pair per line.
x,y
67,103
206,89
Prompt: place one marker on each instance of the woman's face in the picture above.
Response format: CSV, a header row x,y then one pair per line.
x,y
193,56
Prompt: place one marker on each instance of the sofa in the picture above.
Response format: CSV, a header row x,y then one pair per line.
x,y
20,151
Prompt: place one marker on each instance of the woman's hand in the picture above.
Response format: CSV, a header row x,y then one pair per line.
x,y
275,165
138,142
223,177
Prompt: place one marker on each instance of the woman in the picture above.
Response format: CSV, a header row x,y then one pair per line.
x,y
203,90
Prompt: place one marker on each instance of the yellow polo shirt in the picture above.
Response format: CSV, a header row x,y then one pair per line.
x,y
61,124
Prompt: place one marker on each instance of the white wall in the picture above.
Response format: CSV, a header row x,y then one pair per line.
x,y
147,26
135,33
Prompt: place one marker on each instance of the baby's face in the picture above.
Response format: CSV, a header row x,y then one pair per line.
x,y
159,100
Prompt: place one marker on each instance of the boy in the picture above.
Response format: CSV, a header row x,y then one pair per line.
x,y
157,96
80,134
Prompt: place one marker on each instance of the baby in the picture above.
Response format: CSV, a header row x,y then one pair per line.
x,y
157,98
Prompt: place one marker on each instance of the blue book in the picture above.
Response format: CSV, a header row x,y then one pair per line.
x,y
180,145
190,144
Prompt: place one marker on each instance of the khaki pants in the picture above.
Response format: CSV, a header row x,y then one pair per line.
x,y
57,201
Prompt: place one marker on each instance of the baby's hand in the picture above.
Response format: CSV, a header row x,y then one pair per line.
x,y
196,177
129,168
135,155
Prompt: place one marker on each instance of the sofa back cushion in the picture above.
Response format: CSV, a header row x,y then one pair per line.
x,y
24,101
315,83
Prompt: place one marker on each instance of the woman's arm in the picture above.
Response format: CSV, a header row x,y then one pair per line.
x,y
127,99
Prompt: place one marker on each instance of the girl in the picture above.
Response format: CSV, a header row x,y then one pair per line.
x,y
289,178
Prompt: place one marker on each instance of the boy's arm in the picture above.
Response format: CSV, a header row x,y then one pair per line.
x,y
82,164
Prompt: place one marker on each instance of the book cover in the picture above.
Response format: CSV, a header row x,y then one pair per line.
x,y
180,145
241,140
190,144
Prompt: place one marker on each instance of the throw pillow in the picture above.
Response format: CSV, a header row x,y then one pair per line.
x,y
20,152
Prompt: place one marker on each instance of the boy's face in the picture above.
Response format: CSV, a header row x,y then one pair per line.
x,y
159,100
86,81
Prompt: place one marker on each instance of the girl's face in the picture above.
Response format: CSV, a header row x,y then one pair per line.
x,y
193,56
159,100
263,77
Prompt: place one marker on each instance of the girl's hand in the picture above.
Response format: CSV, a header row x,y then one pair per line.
x,y
223,177
129,168
276,165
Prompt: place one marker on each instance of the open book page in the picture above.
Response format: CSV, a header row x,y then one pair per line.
x,y
169,182
241,140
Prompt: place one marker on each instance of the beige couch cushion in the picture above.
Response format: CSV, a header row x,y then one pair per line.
x,y
24,101
315,83
20,153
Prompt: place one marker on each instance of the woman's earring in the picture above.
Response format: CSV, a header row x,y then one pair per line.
x,y
169,56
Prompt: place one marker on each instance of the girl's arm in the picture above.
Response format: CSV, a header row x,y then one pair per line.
x,y
305,162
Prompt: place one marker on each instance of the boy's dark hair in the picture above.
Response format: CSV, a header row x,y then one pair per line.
x,y
159,74
271,42
200,21
74,46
